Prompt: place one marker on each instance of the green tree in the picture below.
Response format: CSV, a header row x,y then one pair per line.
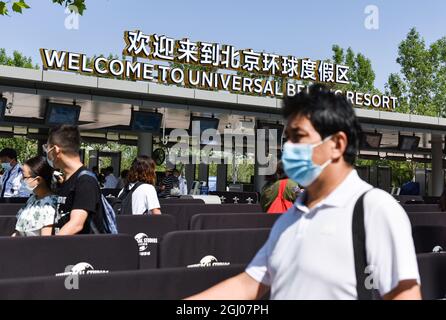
x,y
128,153
362,78
361,74
397,88
17,60
25,148
402,171
420,85
438,56
18,6
338,54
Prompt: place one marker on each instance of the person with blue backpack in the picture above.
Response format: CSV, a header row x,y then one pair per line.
x,y
81,207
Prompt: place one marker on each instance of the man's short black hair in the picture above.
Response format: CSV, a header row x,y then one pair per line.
x,y
329,113
8,153
67,137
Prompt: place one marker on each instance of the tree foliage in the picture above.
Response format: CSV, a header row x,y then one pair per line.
x,y
420,85
25,148
361,74
16,60
128,153
18,6
402,171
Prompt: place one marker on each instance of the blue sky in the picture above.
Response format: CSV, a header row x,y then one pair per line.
x,y
300,28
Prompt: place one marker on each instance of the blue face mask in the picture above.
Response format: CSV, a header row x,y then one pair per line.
x,y
297,159
27,187
6,166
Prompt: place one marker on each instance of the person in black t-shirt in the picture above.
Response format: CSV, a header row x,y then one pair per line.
x,y
80,204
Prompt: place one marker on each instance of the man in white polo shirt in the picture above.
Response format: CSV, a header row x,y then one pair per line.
x,y
342,239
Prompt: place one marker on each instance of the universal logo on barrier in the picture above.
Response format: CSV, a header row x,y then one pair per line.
x,y
72,273
209,261
144,241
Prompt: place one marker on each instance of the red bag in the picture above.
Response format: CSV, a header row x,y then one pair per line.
x,y
280,204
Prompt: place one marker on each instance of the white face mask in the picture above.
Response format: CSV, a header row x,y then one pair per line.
x,y
50,162
28,187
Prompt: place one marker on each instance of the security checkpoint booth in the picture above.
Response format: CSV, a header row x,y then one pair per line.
x,y
204,105
237,92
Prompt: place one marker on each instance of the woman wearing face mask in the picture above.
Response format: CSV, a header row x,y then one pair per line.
x,y
37,217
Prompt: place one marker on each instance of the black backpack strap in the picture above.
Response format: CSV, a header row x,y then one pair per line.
x,y
124,201
53,228
128,191
94,229
136,186
359,249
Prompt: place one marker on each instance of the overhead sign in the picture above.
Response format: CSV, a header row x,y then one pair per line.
x,y
212,66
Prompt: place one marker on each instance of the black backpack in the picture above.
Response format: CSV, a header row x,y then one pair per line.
x,y
122,205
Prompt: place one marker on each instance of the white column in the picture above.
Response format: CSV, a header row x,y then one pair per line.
x,y
437,176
